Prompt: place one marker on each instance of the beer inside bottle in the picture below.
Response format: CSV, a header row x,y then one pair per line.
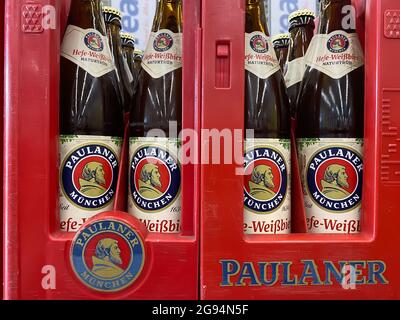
x,y
112,18
155,172
91,118
330,123
301,28
267,151
281,45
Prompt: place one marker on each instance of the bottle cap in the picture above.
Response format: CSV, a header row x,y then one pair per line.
x,y
110,13
127,39
138,52
281,40
301,13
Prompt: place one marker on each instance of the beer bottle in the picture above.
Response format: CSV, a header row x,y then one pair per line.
x,y
267,152
91,118
301,28
331,123
113,18
128,50
155,174
281,45
138,59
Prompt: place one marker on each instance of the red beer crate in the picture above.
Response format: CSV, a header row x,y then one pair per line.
x,y
300,265
36,254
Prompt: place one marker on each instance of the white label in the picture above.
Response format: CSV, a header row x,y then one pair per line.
x,y
163,54
89,49
332,174
335,54
155,183
88,177
295,72
267,190
260,56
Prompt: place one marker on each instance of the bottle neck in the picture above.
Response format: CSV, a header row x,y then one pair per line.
x,y
113,33
301,38
168,16
256,19
87,14
334,16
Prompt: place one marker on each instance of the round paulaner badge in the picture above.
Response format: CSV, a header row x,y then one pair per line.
x,y
334,179
107,255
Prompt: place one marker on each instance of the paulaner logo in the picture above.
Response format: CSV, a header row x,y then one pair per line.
x,y
334,179
107,255
259,44
163,42
94,42
265,180
155,179
89,176
338,43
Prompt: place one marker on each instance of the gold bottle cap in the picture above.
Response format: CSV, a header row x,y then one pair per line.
x,y
127,36
282,36
138,52
112,10
301,13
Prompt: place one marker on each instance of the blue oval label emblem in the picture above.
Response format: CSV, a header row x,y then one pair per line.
x,y
155,178
334,179
338,43
259,43
265,180
89,176
107,255
94,42
163,42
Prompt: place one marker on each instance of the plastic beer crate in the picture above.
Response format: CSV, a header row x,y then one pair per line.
x,y
313,266
34,247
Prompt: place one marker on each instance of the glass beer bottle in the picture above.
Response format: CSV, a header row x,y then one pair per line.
x,y
155,173
330,123
301,29
112,18
281,45
138,60
91,118
267,153
128,50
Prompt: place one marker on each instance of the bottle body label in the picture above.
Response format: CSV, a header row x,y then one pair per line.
x,y
260,56
155,183
163,53
295,72
88,177
335,54
89,49
332,174
267,191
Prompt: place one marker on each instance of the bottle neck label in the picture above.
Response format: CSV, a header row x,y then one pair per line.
x,y
89,49
88,177
295,71
155,183
332,174
163,53
335,54
260,56
267,186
